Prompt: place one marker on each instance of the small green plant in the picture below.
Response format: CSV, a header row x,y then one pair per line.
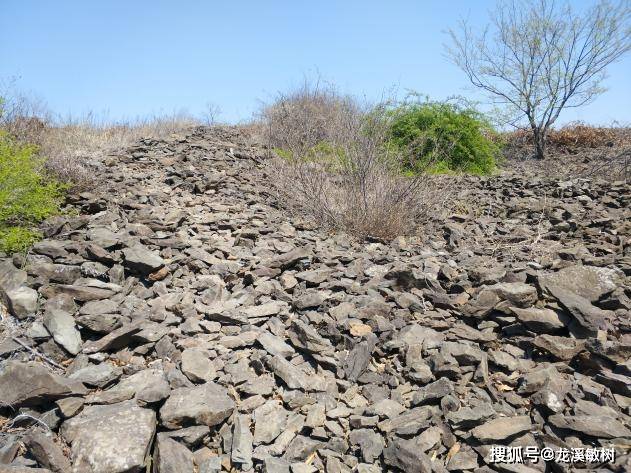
x,y
444,137
331,157
28,194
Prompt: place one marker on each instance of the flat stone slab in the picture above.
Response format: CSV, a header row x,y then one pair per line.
x,y
110,439
206,404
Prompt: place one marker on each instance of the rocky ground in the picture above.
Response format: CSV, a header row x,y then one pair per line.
x,y
179,322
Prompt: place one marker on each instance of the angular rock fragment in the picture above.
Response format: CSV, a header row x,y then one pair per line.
x,y
599,426
31,383
110,439
61,326
501,429
197,366
206,404
20,299
116,339
242,442
141,260
170,456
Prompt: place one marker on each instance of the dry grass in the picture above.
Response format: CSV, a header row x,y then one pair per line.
x,y
578,150
71,144
333,165
71,147
573,137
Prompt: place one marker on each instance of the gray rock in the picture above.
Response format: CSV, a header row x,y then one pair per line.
x,y
116,339
407,456
540,320
31,383
141,260
19,299
97,375
269,421
47,453
206,404
408,423
600,426
110,439
171,456
467,417
197,366
274,345
501,429
61,326
589,282
433,392
242,442
370,443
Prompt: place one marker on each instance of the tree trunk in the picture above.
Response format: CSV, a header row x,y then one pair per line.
x,y
540,143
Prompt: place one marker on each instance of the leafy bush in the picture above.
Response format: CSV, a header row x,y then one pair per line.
x,y
461,135
27,194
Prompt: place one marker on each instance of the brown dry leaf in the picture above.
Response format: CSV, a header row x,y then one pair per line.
x,y
455,448
310,458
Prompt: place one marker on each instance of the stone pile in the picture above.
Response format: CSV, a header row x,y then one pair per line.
x,y
178,322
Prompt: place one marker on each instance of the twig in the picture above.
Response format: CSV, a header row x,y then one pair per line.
x,y
35,352
26,416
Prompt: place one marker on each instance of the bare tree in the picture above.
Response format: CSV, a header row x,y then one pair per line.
x,y
210,114
538,57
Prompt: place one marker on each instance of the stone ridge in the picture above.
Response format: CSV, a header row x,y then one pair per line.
x,y
184,324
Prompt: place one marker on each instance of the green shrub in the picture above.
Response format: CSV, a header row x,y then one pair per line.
x,y
444,137
27,194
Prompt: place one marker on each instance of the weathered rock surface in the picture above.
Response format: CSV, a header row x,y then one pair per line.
x,y
206,404
20,299
110,439
30,383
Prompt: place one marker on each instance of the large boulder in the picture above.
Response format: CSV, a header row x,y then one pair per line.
x,y
110,439
589,282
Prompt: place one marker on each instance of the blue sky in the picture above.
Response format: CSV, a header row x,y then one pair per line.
x,y
136,58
